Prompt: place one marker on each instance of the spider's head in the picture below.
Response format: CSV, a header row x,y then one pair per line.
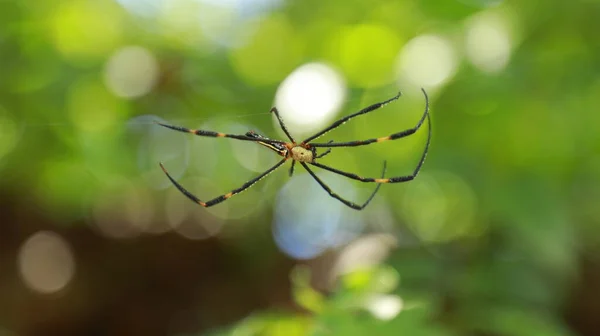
x,y
253,134
276,147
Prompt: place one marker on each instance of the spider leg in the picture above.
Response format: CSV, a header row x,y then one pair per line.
x,y
282,124
325,152
341,121
220,135
396,179
223,197
394,136
292,168
336,196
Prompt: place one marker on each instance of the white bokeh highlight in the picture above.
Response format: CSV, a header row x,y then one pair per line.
x,y
385,307
309,97
427,61
131,72
46,263
487,42
367,251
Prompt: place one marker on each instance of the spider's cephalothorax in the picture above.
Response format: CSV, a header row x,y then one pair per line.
x,y
305,153
290,150
279,148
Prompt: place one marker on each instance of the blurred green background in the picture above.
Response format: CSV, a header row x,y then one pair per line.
x,y
498,235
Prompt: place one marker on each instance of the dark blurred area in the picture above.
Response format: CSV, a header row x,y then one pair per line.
x,y
497,235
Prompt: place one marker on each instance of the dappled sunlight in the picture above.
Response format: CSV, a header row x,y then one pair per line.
x,y
309,97
131,72
427,61
46,262
308,221
496,234
366,251
488,42
385,307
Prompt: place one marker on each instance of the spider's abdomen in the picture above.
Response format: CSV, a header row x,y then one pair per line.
x,y
302,154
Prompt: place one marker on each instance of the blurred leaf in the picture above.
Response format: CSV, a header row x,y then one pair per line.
x,y
378,279
304,294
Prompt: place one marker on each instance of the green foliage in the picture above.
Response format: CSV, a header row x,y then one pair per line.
x,y
491,233
344,312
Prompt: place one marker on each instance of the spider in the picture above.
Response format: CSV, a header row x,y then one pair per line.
x,y
305,153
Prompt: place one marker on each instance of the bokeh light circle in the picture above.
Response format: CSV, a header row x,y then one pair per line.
x,y
308,221
488,42
309,97
46,262
385,307
367,251
427,61
131,72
